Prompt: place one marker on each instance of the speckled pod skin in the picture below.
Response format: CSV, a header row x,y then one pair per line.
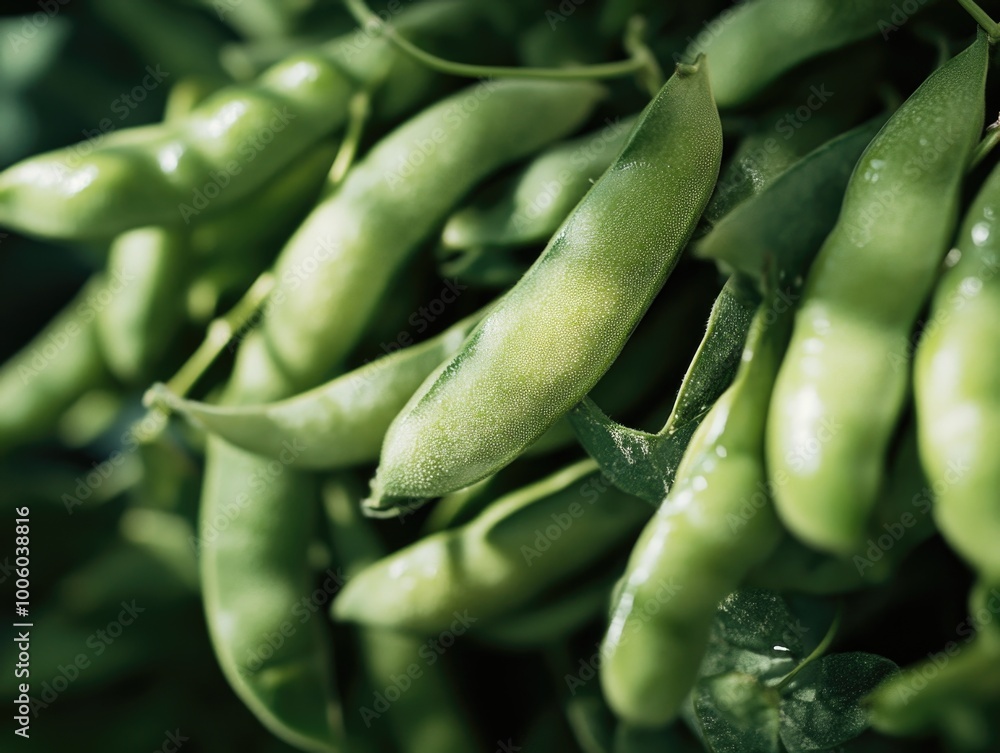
x,y
334,269
843,382
549,340
956,376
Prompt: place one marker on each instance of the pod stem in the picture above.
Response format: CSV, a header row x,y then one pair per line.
x,y
358,112
220,331
816,652
982,18
642,61
989,142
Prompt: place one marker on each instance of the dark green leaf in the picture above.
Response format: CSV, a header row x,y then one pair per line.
x,y
821,708
645,464
773,228
736,714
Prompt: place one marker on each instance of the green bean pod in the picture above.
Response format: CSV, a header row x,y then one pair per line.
x,y
839,392
510,554
340,423
256,518
715,525
529,207
231,144
334,270
552,337
752,45
955,387
49,374
135,327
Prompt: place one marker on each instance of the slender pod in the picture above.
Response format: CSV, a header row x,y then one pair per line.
x,y
340,423
256,519
715,525
521,545
229,145
842,383
529,207
334,270
750,46
552,337
135,327
48,375
956,375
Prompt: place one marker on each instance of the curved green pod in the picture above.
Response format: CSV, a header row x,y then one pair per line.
x,y
715,525
49,374
257,516
529,207
752,45
229,145
956,374
521,545
338,424
840,391
333,272
134,329
552,337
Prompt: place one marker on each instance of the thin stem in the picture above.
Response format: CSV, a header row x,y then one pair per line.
x,y
816,652
982,18
219,333
985,146
636,64
358,110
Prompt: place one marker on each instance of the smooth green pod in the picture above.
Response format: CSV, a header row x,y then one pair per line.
x,y
840,390
49,374
338,424
228,146
956,375
257,516
752,45
334,270
552,337
135,327
529,207
510,554
901,522
715,525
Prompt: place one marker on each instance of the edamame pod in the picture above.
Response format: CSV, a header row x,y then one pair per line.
x,y
44,378
715,525
750,46
521,545
956,375
549,340
530,206
255,521
135,327
839,393
334,270
340,423
231,144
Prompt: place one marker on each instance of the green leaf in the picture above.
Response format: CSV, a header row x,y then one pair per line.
x,y
737,714
772,229
822,707
645,464
754,633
